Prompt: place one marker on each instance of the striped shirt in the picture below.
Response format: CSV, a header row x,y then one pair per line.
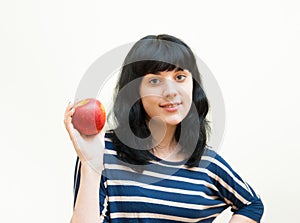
x,y
171,192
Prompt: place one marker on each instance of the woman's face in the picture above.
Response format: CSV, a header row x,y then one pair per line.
x,y
167,95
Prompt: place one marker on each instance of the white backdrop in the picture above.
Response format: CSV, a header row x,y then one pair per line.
x,y
251,47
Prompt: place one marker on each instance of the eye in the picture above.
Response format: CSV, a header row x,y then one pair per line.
x,y
154,81
180,77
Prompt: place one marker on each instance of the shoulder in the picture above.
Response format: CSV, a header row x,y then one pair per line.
x,y
218,167
108,138
110,151
211,156
213,161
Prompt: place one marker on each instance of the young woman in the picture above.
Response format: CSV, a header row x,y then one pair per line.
x,y
155,165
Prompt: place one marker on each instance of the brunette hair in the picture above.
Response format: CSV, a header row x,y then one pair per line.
x,y
154,54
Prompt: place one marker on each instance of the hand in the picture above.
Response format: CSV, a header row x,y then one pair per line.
x,y
89,149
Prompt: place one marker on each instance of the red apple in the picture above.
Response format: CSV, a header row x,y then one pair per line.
x,y
89,116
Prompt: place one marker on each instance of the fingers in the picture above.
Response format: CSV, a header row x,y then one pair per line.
x,y
69,113
68,119
69,108
70,105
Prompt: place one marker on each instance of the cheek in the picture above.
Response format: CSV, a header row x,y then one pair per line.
x,y
149,103
150,99
187,93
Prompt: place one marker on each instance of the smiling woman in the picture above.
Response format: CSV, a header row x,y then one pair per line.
x,y
166,98
167,95
155,165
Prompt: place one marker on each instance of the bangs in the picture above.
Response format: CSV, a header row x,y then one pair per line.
x,y
153,67
156,55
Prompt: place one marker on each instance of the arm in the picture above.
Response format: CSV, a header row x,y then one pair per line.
x,y
241,219
87,203
90,151
245,203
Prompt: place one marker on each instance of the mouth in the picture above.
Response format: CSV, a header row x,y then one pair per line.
x,y
170,107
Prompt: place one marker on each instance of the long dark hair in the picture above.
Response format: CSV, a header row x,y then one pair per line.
x,y
154,54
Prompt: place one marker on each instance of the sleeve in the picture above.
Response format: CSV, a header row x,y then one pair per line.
x,y
103,197
76,180
235,191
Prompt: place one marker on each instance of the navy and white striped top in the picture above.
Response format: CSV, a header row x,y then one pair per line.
x,y
171,192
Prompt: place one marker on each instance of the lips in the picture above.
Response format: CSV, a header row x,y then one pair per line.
x,y
170,105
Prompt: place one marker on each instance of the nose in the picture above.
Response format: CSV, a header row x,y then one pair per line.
x,y
170,89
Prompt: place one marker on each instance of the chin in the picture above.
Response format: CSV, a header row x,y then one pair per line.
x,y
173,122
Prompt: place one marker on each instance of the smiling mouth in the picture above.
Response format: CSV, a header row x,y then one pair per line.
x,y
170,105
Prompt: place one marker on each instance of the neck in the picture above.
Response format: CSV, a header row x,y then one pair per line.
x,y
165,144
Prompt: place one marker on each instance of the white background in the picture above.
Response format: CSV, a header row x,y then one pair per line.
x,y
251,47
